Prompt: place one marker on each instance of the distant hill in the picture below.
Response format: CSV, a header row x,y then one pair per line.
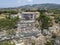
x,y
41,6
35,6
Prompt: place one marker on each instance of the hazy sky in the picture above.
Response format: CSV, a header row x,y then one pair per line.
x,y
14,3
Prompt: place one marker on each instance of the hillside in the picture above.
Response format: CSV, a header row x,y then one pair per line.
x,y
35,6
41,6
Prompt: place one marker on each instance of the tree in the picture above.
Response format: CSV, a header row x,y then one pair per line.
x,y
57,19
49,43
6,43
33,43
42,11
44,22
9,23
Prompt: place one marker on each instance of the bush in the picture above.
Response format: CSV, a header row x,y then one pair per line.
x,y
49,43
53,36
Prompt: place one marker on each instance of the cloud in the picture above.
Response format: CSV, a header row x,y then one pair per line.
x,y
30,0
18,1
21,1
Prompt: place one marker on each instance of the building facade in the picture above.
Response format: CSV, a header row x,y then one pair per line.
x,y
27,20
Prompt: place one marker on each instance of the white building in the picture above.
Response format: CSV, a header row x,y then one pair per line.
x,y
27,19
30,15
27,15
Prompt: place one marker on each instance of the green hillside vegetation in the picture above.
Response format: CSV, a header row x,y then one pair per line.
x,y
8,23
7,43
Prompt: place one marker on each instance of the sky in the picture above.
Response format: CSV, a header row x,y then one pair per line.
x,y
16,3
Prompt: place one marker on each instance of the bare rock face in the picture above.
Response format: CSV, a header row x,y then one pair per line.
x,y
57,40
41,40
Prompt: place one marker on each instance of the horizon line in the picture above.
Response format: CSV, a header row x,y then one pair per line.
x,y
28,4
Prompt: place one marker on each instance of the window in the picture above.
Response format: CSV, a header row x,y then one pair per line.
x,y
27,16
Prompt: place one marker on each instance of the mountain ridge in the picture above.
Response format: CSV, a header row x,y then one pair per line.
x,y
37,6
